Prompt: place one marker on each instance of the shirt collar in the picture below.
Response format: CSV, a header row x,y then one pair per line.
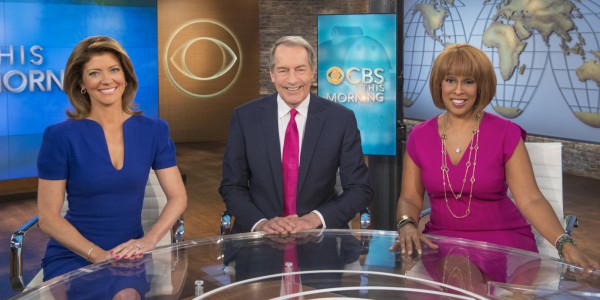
x,y
283,109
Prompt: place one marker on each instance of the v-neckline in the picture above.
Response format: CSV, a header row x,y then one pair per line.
x,y
107,150
464,153
462,156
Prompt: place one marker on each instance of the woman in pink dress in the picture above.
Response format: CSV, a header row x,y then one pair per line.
x,y
465,159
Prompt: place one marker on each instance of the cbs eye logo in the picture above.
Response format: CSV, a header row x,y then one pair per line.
x,y
335,75
203,58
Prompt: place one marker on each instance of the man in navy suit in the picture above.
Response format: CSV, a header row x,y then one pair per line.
x,y
252,185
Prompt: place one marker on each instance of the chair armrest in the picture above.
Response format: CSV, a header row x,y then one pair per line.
x,y
178,231
16,256
365,218
226,223
425,212
570,223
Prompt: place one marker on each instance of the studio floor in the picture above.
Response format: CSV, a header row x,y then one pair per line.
x,y
201,162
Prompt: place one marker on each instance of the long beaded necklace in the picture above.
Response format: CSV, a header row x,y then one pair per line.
x,y
445,170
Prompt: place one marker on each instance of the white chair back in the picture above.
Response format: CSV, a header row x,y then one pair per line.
x,y
154,203
546,159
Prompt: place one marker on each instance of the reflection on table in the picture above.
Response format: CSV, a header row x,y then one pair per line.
x,y
330,264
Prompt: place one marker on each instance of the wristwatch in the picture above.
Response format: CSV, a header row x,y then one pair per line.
x,y
404,219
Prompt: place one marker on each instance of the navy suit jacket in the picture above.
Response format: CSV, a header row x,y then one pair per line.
x,y
252,185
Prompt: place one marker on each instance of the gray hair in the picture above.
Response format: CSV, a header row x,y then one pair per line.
x,y
292,41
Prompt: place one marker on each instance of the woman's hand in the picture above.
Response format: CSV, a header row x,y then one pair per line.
x,y
409,239
575,256
132,249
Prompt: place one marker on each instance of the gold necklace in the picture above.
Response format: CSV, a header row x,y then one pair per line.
x,y
445,170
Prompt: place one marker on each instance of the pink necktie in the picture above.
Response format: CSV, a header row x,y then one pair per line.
x,y
289,165
289,168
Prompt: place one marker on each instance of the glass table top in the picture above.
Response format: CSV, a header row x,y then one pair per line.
x,y
328,264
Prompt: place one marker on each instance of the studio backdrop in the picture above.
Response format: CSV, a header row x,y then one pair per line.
x,y
357,68
36,39
547,60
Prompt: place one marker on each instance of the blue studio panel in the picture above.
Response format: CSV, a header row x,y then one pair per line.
x,y
36,40
357,69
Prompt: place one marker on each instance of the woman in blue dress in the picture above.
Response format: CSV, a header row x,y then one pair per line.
x,y
101,157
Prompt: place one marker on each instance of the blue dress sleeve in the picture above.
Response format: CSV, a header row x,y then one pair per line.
x,y
53,159
164,156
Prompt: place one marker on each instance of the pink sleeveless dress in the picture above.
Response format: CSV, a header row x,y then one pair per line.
x,y
494,218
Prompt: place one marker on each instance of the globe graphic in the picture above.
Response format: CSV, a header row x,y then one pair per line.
x,y
424,39
576,65
515,86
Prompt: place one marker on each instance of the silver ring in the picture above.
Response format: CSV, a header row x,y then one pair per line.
x,y
137,246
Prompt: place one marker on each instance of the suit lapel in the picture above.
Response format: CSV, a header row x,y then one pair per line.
x,y
312,131
270,128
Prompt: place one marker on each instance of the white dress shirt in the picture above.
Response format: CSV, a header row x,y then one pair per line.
x,y
283,119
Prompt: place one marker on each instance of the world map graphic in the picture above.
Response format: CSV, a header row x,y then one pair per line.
x,y
523,38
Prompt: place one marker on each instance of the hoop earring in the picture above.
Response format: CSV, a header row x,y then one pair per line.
x,y
83,91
